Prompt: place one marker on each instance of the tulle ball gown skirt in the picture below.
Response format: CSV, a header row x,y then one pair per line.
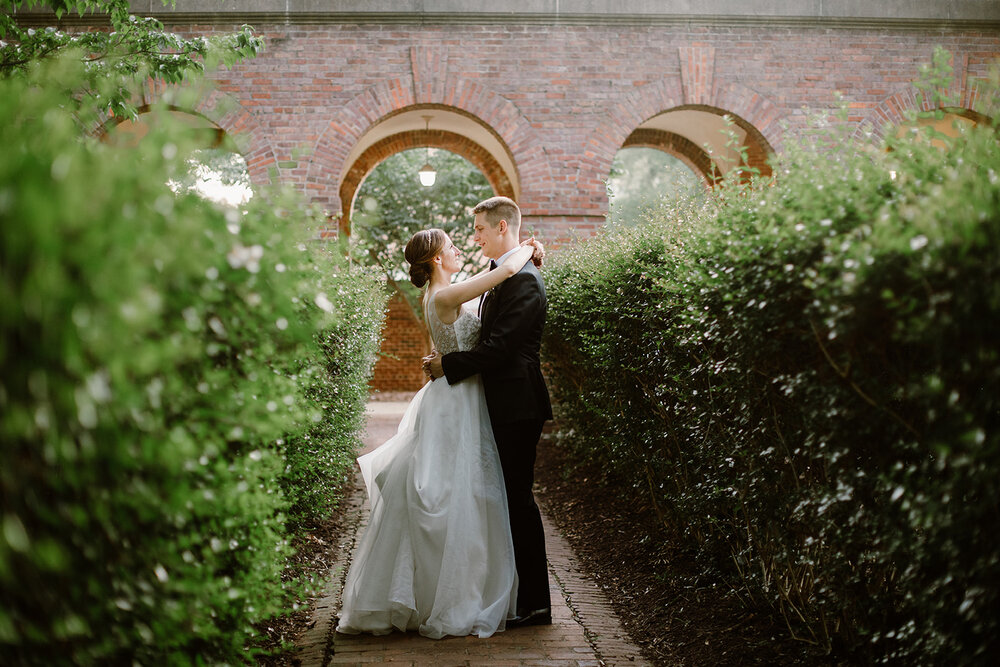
x,y
437,555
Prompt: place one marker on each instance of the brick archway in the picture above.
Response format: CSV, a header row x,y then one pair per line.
x,y
328,168
562,87
694,156
222,110
227,113
891,112
757,146
752,112
449,141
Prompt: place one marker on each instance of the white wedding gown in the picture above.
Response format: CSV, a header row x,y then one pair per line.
x,y
437,555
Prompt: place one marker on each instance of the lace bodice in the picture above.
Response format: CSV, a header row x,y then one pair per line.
x,y
460,335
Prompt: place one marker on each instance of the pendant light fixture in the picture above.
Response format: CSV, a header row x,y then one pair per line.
x,y
427,173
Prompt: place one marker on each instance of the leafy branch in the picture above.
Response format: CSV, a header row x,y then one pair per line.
x,y
133,48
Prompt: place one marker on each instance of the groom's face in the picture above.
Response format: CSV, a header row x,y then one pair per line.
x,y
487,236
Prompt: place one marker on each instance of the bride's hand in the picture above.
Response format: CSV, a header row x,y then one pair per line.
x,y
539,250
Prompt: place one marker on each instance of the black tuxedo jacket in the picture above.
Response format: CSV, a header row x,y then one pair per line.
x,y
507,356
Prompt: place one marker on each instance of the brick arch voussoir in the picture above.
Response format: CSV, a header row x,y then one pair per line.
x,y
450,141
982,98
242,126
624,117
353,120
754,112
683,149
344,131
618,122
891,111
227,112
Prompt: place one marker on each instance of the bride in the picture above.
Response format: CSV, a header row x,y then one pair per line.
x,y
437,555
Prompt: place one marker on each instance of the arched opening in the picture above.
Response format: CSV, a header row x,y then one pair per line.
x,y
216,169
947,124
643,176
428,126
390,205
710,141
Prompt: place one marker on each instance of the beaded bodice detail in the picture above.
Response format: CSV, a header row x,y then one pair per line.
x,y
460,335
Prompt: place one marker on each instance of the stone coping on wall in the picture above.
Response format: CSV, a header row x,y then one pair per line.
x,y
974,14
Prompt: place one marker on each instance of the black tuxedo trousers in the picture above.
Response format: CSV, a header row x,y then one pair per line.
x,y
516,443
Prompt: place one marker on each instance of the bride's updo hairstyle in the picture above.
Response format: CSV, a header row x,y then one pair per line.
x,y
421,250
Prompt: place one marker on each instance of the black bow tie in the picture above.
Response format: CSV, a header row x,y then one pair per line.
x,y
493,264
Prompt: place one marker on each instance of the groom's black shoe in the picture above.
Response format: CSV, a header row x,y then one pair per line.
x,y
523,619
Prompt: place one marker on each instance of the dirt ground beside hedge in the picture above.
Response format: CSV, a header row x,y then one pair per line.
x,y
675,614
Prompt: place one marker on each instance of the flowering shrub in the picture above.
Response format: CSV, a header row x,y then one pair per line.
x,y
804,378
176,380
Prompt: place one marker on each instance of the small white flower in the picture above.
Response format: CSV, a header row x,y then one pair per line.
x,y
323,302
243,257
232,221
918,242
216,325
99,387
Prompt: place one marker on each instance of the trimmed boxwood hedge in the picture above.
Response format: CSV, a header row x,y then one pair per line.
x,y
803,378
178,382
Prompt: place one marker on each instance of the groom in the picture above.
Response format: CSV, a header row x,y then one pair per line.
x,y
507,359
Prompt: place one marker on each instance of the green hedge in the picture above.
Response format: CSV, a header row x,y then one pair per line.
x,y
176,381
804,379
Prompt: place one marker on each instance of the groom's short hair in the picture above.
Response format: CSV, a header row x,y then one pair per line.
x,y
500,208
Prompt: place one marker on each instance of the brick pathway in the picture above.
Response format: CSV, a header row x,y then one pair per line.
x,y
585,631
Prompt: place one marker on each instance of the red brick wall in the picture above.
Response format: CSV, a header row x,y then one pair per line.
x,y
404,343
562,99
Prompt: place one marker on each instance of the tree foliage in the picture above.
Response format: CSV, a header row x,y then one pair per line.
x,y
642,179
392,205
131,49
216,173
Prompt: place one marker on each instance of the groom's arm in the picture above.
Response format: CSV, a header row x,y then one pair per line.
x,y
518,312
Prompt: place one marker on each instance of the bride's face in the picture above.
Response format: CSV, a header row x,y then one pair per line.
x,y
449,257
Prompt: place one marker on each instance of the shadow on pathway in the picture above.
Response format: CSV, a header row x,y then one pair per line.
x,y
585,630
